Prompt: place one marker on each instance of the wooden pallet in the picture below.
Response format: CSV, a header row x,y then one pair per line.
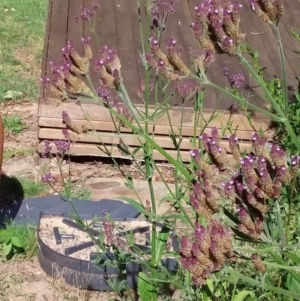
x,y
123,35
102,130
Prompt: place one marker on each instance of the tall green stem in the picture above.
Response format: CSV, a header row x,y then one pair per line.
x,y
263,85
282,115
283,66
125,97
148,154
245,102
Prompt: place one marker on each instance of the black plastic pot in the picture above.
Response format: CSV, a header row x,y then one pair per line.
x,y
87,274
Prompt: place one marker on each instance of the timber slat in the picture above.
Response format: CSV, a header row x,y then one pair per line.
x,y
128,139
84,149
97,112
46,47
163,130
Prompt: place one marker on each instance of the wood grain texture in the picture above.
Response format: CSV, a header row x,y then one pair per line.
x,y
96,112
85,149
117,25
162,130
100,138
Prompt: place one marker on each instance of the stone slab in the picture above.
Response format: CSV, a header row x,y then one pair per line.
x,y
116,189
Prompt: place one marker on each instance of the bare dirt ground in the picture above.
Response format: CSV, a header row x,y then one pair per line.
x,y
24,280
20,159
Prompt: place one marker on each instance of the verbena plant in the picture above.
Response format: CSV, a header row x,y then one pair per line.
x,y
239,222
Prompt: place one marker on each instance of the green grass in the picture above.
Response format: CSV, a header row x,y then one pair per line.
x,y
10,153
32,188
13,124
22,31
80,193
22,235
13,189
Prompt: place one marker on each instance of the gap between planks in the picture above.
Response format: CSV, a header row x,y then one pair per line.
x,y
178,116
128,139
108,126
84,149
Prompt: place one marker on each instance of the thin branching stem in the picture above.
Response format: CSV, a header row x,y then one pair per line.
x,y
283,66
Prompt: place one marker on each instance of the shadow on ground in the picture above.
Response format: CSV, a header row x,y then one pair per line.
x,y
11,194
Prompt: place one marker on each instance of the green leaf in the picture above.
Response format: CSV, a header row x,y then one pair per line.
x,y
16,241
162,239
137,205
292,257
7,248
241,295
285,266
144,287
210,285
267,287
293,284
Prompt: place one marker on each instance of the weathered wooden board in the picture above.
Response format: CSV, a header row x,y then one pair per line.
x,y
117,24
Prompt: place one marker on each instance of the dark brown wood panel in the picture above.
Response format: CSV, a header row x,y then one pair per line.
x,y
118,27
57,34
190,41
262,37
289,21
105,31
211,101
292,61
135,23
75,29
292,8
126,50
46,48
173,31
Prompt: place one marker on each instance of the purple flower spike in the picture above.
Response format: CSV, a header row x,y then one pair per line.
x,y
47,149
214,134
49,179
236,80
62,146
258,144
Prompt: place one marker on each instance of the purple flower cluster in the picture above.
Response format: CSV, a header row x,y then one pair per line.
x,y
86,13
65,80
47,149
114,102
268,10
77,128
260,177
205,198
108,66
49,179
168,63
212,147
160,11
111,239
207,251
220,21
186,88
62,147
260,266
143,88
236,80
202,59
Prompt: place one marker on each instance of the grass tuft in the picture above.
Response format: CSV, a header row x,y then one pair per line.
x,y
22,30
